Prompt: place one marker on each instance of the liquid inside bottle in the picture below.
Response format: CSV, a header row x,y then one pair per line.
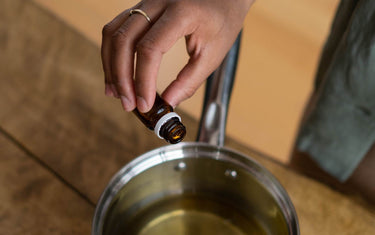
x,y
163,121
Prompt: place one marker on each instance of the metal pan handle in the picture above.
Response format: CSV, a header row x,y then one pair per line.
x,y
216,99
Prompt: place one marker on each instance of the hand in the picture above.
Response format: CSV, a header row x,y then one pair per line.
x,y
209,27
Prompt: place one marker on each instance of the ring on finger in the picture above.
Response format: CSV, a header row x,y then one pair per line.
x,y
139,11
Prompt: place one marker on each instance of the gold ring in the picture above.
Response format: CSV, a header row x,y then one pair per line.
x,y
139,11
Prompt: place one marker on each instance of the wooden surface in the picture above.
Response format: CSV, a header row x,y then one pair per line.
x,y
280,49
33,200
61,140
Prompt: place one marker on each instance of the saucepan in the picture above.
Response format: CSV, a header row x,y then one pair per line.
x,y
200,187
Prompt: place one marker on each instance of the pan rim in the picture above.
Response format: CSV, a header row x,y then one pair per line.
x,y
174,152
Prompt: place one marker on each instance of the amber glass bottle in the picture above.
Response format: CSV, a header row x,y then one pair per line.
x,y
163,121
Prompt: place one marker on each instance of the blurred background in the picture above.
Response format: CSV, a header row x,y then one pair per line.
x,y
61,139
280,50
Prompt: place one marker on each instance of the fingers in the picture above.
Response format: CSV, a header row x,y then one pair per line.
x,y
128,35
201,64
123,45
122,61
209,30
157,41
187,82
108,30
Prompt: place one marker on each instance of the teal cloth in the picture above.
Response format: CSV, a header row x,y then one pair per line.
x,y
341,127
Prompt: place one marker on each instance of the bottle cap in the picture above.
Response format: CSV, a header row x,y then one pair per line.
x,y
163,120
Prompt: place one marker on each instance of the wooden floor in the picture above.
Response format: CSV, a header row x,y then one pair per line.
x,y
61,140
280,49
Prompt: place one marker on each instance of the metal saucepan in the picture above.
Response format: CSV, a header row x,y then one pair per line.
x,y
197,188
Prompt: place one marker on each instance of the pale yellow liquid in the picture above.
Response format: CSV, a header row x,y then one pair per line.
x,y
189,215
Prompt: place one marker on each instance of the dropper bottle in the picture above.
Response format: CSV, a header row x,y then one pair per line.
x,y
163,121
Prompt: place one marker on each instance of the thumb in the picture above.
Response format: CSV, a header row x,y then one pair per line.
x,y
187,82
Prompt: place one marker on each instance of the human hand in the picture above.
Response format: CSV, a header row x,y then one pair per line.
x,y
209,26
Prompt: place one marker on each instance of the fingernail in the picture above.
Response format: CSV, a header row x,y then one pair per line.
x,y
108,90
114,90
126,104
142,105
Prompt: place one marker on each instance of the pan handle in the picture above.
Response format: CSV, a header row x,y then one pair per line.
x,y
216,99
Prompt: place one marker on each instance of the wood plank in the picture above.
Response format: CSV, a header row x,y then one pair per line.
x,y
55,106
33,201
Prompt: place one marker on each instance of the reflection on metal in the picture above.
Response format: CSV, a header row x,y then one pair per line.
x,y
152,179
180,166
231,173
216,100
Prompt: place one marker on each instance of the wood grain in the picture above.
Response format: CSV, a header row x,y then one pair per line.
x,y
52,103
33,201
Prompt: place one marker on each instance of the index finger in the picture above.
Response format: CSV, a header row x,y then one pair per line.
x,y
157,41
